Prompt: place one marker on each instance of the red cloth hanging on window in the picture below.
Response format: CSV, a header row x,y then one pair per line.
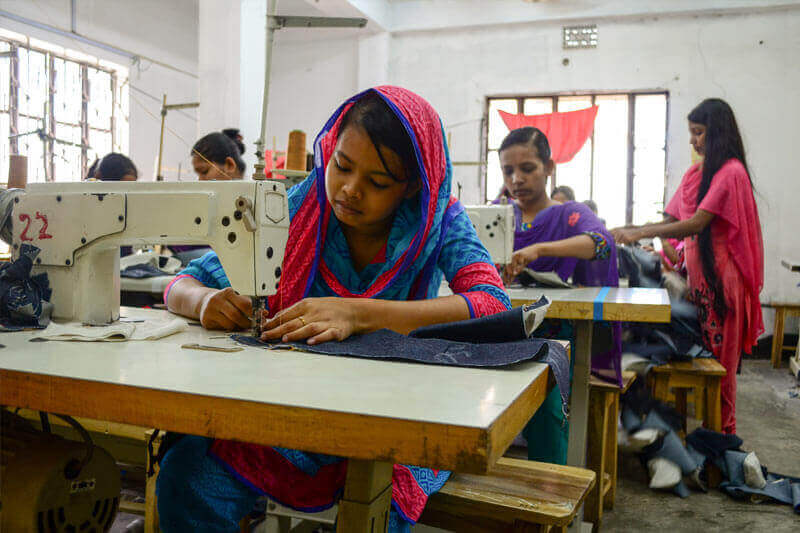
x,y
567,131
280,162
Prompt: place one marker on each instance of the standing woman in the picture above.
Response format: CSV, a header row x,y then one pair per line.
x,y
714,211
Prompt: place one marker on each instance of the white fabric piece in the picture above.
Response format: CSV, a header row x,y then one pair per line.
x,y
664,474
533,314
117,332
635,362
753,475
636,442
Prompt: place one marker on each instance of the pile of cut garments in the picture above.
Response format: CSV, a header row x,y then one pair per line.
x,y
24,298
644,346
148,265
649,428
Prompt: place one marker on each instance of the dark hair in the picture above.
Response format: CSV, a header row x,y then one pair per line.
x,y
722,143
591,204
528,136
385,129
113,167
92,169
220,145
566,191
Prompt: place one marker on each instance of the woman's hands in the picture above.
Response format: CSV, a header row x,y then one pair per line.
x,y
225,309
317,320
521,258
626,235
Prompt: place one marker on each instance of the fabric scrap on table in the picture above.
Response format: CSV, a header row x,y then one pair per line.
x,y
24,299
118,332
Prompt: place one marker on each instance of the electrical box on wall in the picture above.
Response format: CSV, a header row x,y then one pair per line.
x,y
579,37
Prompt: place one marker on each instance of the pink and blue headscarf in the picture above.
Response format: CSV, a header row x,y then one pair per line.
x,y
417,230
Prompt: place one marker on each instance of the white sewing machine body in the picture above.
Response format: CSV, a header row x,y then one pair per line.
x,y
495,227
79,228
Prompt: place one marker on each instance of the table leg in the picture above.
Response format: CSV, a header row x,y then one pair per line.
x,y
777,338
579,403
579,397
364,508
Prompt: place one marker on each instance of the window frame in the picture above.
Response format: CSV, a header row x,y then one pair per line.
x,y
631,96
49,120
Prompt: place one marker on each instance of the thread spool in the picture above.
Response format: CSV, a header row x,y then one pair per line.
x,y
17,171
296,150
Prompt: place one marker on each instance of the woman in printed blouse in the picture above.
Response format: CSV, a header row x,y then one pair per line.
x,y
567,239
373,230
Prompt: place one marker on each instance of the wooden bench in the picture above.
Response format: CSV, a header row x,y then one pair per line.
x,y
601,454
782,311
703,377
518,496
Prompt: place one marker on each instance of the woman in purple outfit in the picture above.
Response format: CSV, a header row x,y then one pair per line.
x,y
567,239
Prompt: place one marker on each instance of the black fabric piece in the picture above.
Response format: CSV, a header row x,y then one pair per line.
x,y
681,339
640,267
639,401
712,444
24,299
386,344
141,271
500,327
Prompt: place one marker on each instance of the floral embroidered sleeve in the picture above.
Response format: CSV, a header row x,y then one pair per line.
x,y
469,270
602,249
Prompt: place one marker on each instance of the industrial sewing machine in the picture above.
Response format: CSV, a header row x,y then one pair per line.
x,y
79,228
495,227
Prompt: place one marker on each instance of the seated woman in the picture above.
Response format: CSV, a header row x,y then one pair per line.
x,y
567,239
373,230
563,194
216,156
113,167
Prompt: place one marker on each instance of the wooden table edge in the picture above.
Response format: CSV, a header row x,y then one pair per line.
x,y
510,423
292,427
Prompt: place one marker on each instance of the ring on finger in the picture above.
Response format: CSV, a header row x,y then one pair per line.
x,y
301,320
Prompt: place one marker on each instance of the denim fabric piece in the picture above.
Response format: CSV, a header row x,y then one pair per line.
x,y
142,271
780,488
513,325
385,344
24,299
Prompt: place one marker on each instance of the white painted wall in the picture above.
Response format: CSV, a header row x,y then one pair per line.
x,y
749,60
165,31
313,72
218,65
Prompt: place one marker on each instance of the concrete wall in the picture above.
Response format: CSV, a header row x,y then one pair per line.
x,y
749,60
165,31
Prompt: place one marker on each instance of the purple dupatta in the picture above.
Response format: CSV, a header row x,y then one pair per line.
x,y
562,222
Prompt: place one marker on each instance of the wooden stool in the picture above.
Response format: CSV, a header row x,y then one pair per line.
x,y
782,310
704,376
517,496
601,453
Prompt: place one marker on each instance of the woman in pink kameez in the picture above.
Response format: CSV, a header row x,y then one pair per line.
x,y
714,211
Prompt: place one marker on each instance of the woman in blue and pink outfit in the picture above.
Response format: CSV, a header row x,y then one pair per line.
x,y
373,230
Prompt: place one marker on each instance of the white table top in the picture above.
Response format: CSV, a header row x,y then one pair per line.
x,y
428,394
